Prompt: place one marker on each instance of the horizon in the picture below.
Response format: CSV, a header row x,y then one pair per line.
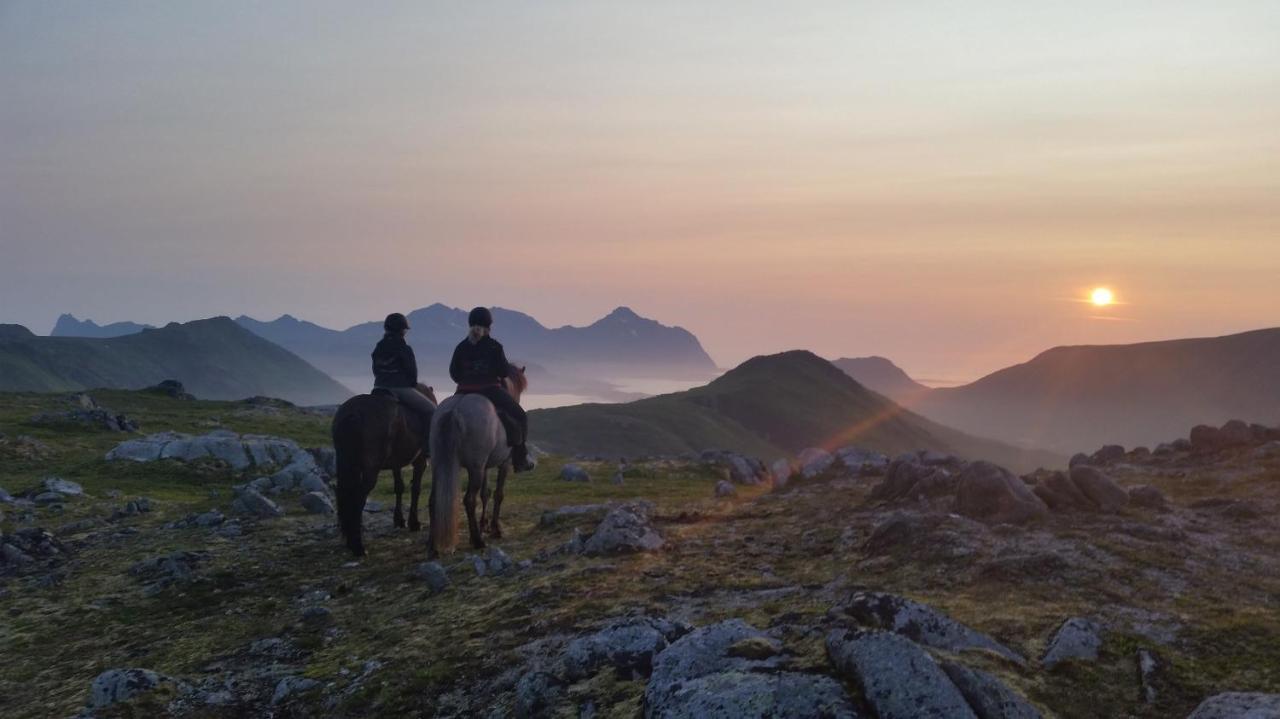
x,y
943,188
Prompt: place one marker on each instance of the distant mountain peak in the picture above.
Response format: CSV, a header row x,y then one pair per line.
x,y
68,326
622,313
879,374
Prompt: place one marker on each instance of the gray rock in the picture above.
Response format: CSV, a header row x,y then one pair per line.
x,y
326,459
740,695
1077,459
168,569
919,622
536,692
11,554
434,574
317,616
627,645
1075,639
250,501
574,473
317,503
898,678
618,479
626,528
699,676
909,479
1236,433
1148,497
1062,495
814,461
315,483
1149,668
725,489
1099,488
1206,439
289,686
860,462
48,498
992,494
988,696
5,497
496,563
120,685
1107,454
212,518
1238,705
61,486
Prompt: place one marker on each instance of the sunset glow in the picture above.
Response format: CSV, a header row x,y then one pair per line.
x,y
1101,297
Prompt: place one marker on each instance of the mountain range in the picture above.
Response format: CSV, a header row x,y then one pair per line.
x,y
563,359
68,326
770,406
1076,398
214,358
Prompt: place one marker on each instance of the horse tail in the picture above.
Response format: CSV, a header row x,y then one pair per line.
x,y
348,445
446,442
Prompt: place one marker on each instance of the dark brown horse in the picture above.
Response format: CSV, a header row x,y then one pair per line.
x,y
372,432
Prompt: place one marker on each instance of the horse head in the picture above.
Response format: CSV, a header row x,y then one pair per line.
x,y
516,382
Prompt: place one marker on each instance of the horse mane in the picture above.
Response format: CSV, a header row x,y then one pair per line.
x,y
515,375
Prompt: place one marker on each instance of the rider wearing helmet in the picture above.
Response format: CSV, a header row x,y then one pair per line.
x,y
395,370
479,365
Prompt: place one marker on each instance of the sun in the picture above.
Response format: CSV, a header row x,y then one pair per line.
x,y
1101,297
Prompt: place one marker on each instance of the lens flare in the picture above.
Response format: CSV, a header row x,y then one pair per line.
x,y
1101,297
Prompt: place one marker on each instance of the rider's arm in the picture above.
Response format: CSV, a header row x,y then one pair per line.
x,y
455,367
503,366
409,365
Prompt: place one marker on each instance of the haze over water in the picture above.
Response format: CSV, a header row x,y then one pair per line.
x,y
939,184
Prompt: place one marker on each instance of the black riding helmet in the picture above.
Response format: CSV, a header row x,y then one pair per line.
x,y
395,322
480,317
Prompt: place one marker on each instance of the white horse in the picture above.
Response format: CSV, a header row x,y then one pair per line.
x,y
467,434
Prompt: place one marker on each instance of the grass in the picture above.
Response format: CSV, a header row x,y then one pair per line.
x,y
775,560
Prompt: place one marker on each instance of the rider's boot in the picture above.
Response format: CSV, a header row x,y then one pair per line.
x,y
520,460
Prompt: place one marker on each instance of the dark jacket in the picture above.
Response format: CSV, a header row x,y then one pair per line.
x,y
394,364
481,364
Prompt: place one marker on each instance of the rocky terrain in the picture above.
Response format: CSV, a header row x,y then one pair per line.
x,y
187,565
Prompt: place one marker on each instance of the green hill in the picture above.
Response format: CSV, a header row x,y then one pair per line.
x,y
768,406
213,358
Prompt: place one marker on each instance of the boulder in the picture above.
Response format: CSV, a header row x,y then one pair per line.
x,y
63,487
725,489
434,574
741,468
1107,454
1103,491
240,452
554,517
170,388
291,685
1236,433
574,473
814,461
250,501
1075,639
495,563
1206,439
626,528
1148,497
918,622
326,459
1077,458
535,693
167,569
1062,495
862,462
993,494
1238,705
317,503
698,676
909,479
989,697
120,685
898,678
627,645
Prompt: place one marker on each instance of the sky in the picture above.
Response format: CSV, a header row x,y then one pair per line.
x,y
940,183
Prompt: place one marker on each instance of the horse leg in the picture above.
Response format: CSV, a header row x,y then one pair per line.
x,y
474,480
432,552
496,529
398,518
419,466
355,537
484,501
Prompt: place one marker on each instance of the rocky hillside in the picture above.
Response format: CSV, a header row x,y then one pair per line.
x,y
1069,397
192,569
771,406
622,344
213,358
878,374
